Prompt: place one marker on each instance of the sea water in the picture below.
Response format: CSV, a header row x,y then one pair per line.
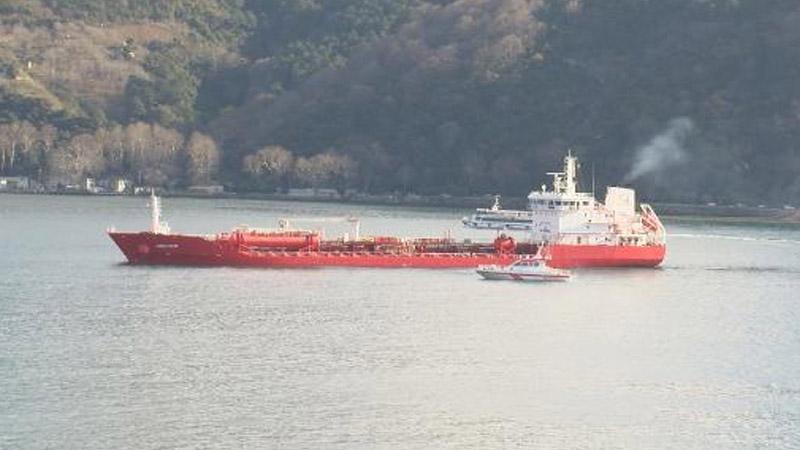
x,y
702,353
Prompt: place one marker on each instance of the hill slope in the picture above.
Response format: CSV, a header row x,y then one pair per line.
x,y
464,96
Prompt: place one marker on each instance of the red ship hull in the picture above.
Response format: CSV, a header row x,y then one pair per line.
x,y
170,249
570,256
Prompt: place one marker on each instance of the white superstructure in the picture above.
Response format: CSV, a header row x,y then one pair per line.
x,y
564,215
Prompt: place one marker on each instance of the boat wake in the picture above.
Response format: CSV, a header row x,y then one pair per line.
x,y
751,269
739,269
735,238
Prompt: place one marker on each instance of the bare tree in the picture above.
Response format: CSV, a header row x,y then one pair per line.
x,y
6,142
25,135
310,172
16,139
48,134
163,161
326,169
342,168
153,153
44,146
81,156
271,164
137,139
114,148
202,158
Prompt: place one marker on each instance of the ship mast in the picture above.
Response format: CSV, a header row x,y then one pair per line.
x,y
571,169
566,182
156,225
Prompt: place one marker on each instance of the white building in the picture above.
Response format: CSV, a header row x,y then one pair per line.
x,y
14,183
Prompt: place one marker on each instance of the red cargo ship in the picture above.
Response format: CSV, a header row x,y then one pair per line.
x,y
286,247
572,227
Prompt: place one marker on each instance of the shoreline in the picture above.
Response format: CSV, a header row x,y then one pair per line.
x,y
671,211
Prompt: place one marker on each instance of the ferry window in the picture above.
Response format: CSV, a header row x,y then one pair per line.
x,y
585,203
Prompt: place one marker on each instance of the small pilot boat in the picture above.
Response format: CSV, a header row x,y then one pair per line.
x,y
526,269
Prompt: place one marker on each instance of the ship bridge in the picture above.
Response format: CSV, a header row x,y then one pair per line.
x,y
564,194
563,214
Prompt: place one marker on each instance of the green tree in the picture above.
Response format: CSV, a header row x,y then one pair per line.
x,y
169,95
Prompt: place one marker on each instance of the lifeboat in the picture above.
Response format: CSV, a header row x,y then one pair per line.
x,y
505,244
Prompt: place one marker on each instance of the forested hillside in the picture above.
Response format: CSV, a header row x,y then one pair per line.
x,y
688,100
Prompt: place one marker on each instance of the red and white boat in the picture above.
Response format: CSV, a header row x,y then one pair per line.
x,y
524,269
578,230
